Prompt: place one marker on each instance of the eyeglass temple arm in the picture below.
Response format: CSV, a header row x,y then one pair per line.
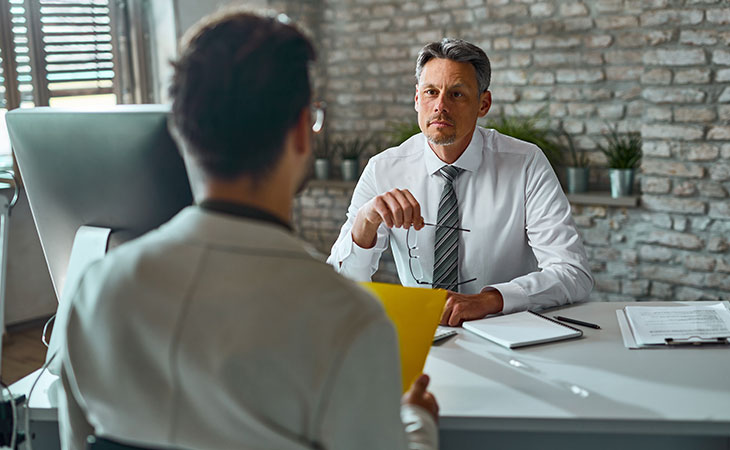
x,y
454,284
319,116
445,226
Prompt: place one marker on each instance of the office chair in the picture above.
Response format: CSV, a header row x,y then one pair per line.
x,y
100,443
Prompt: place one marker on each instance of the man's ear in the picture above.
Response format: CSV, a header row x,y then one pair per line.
x,y
415,100
485,102
302,131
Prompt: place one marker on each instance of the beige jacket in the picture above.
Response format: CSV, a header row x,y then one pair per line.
x,y
218,332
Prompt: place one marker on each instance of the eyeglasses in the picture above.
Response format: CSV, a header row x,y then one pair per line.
x,y
414,263
319,112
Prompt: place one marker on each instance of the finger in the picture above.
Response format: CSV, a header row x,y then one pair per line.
x,y
420,385
405,206
381,207
435,403
455,320
453,304
448,306
417,217
456,316
446,315
395,209
429,397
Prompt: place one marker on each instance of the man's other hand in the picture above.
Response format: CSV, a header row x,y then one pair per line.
x,y
461,307
396,208
418,395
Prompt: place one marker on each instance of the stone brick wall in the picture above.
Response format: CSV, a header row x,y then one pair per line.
x,y
661,67
318,215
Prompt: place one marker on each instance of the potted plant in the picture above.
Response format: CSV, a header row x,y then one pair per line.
x,y
402,131
529,129
576,174
323,152
351,150
623,152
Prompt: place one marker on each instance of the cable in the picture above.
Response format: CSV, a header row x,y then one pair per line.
x,y
13,408
45,327
26,421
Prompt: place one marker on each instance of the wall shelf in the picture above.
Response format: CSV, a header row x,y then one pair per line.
x,y
331,183
603,198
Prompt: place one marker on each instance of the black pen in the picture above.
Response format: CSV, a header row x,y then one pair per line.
x,y
578,322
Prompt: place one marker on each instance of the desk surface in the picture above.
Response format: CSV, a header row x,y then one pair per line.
x,y
590,384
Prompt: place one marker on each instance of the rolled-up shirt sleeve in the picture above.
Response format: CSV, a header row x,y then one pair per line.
x,y
348,258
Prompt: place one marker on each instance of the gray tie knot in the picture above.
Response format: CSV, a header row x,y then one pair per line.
x,y
450,173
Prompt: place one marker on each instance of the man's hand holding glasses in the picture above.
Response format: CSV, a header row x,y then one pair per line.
x,y
396,208
399,208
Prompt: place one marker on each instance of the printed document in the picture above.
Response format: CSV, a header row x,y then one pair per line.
x,y
652,325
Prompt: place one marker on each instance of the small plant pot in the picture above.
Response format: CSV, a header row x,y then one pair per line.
x,y
350,169
322,169
622,182
576,179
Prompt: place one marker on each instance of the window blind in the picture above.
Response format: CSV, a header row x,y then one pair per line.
x,y
3,101
76,46
17,54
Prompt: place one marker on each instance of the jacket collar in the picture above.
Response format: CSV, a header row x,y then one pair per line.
x,y
244,211
211,228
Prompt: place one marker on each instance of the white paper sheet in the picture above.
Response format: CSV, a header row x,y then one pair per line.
x,y
623,325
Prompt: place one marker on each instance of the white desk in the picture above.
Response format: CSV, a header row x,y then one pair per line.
x,y
42,410
590,392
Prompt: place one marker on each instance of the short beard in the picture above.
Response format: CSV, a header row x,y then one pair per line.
x,y
443,140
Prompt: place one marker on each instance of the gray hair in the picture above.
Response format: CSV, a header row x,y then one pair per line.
x,y
460,51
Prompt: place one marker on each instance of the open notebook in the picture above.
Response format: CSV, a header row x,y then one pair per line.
x,y
521,329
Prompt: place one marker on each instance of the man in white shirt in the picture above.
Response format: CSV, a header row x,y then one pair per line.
x,y
220,330
521,250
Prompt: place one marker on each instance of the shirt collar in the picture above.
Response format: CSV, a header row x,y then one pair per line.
x,y
469,160
241,210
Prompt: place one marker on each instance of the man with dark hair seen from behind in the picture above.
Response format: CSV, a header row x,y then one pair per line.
x,y
465,208
219,330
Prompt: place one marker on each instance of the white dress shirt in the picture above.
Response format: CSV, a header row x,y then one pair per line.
x,y
522,239
219,332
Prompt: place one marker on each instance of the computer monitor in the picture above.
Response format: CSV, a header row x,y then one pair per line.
x,y
116,168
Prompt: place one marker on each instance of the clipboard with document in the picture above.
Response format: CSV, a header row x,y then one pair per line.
x,y
691,323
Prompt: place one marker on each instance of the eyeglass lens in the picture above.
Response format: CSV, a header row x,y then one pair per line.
x,y
414,262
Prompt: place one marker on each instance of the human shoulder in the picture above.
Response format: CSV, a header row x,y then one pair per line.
x,y
410,148
343,296
514,153
138,265
501,143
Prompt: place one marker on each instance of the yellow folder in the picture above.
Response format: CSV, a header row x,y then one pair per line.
x,y
415,312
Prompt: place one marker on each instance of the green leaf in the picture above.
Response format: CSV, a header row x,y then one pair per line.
x,y
622,150
402,131
528,128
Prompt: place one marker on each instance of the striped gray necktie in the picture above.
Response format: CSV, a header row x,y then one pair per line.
x,y
446,247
